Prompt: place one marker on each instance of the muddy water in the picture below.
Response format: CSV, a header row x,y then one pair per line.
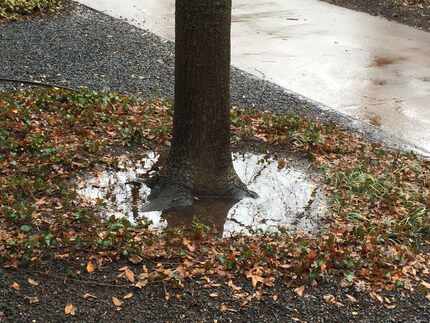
x,y
288,197
364,66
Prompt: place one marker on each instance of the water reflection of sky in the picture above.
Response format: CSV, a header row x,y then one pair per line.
x,y
288,197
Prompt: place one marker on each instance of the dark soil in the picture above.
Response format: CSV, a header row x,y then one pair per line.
x,y
415,13
160,302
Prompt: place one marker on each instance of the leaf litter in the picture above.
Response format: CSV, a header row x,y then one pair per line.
x,y
378,237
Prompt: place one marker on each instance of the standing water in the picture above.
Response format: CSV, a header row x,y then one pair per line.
x,y
289,197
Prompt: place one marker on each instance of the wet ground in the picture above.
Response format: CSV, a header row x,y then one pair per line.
x,y
364,66
289,196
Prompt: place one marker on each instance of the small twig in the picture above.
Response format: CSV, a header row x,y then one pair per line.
x,y
37,83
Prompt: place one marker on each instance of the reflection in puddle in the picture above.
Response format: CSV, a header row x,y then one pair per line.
x,y
288,197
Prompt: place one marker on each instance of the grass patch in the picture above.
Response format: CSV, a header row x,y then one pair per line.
x,y
16,9
379,228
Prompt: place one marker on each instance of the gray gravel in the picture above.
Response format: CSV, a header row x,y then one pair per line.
x,y
87,48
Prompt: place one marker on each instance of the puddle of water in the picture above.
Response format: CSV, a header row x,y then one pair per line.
x,y
327,53
289,197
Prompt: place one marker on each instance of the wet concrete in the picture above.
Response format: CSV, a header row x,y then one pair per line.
x,y
289,197
364,66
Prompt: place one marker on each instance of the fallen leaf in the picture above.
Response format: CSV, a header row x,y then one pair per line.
x,y
32,300
281,164
377,297
15,286
130,275
90,267
425,284
32,282
352,299
225,308
213,295
70,309
255,279
88,296
116,301
128,296
329,299
141,283
135,259
233,286
428,296
190,246
300,291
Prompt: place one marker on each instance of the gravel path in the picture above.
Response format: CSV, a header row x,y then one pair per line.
x,y
88,48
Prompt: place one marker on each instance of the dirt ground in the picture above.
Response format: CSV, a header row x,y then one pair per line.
x,y
42,294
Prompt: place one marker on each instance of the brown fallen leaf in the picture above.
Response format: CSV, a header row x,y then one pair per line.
x,y
141,283
128,296
352,299
116,301
190,246
300,291
15,286
255,278
90,267
329,299
88,296
70,309
224,308
377,297
32,299
129,274
281,164
425,284
135,259
32,282
233,286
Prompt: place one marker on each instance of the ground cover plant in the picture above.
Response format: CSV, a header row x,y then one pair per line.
x,y
377,237
15,9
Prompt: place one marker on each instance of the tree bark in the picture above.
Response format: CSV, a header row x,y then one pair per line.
x,y
200,156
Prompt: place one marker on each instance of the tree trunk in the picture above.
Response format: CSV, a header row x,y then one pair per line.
x,y
200,157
